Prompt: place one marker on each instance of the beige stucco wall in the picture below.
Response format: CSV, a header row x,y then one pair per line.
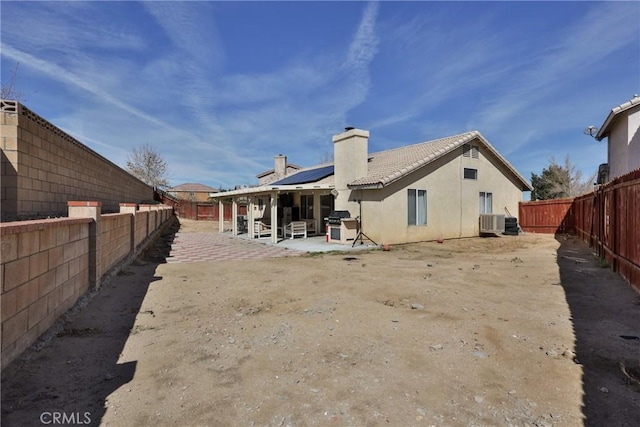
x,y
624,143
452,202
350,152
43,168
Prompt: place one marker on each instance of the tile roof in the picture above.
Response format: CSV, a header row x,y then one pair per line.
x,y
388,166
606,126
194,187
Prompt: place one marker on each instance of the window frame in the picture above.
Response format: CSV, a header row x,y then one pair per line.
x,y
417,211
482,202
475,174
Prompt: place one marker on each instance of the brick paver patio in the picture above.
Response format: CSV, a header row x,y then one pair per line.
x,y
198,247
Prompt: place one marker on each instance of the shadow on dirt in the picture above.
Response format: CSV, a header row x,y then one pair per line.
x,y
605,312
68,380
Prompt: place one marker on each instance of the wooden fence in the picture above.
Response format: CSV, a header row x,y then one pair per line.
x,y
608,219
199,211
546,216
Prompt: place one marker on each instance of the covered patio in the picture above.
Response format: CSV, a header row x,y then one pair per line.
x,y
279,213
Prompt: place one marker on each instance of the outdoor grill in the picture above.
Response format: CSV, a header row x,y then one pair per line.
x,y
341,228
335,217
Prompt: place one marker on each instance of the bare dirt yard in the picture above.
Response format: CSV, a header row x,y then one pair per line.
x,y
522,330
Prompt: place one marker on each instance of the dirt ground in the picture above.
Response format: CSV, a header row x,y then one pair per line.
x,y
522,330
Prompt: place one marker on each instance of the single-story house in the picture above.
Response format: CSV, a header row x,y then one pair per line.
x,y
420,192
622,130
193,192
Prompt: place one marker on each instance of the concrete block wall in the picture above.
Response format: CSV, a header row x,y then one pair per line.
x,y
45,269
43,168
47,265
142,231
115,239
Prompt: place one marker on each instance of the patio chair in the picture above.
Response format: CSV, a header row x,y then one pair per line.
x,y
311,226
296,228
261,229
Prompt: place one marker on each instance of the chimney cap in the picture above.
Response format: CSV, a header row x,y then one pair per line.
x,y
348,128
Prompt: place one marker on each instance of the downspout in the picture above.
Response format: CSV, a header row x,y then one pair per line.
x,y
461,198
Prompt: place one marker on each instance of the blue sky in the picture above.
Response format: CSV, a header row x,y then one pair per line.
x,y
220,88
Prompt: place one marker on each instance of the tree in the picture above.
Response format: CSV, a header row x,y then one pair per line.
x,y
148,166
557,181
8,91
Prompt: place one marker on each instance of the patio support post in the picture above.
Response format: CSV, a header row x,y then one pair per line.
x,y
220,216
234,216
274,217
250,216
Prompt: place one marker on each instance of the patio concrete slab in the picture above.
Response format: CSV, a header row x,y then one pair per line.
x,y
199,247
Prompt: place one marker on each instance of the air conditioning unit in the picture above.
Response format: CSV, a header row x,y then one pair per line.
x,y
491,223
603,173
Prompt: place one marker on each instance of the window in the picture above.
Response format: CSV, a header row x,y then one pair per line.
x,y
486,203
469,150
417,207
306,206
470,173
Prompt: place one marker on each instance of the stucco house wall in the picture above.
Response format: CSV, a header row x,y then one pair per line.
x,y
622,130
624,145
453,203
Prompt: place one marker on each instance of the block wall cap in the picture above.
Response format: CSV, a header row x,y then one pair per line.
x,y
84,204
17,227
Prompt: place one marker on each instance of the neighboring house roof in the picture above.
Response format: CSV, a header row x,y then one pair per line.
x,y
614,114
386,167
289,166
194,187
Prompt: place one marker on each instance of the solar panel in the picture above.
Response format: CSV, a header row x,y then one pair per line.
x,y
303,177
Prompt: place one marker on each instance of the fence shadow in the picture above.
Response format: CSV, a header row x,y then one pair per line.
x,y
70,378
605,312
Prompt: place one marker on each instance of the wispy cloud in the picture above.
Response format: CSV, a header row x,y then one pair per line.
x,y
191,30
170,74
67,76
604,29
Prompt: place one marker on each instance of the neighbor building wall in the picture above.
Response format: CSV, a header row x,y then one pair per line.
x,y
43,168
624,144
453,207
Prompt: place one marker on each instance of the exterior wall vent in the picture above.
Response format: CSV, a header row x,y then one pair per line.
x,y
491,223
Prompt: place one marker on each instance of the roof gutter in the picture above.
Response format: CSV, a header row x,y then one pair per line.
x,y
375,186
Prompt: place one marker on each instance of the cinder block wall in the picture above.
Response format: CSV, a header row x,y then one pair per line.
x,y
115,239
45,269
43,167
47,265
142,230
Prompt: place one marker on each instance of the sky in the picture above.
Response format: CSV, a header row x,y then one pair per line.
x,y
220,88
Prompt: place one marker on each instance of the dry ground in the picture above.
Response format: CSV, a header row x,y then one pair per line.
x,y
466,333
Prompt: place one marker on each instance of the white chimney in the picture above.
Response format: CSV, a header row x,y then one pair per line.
x,y
350,154
280,167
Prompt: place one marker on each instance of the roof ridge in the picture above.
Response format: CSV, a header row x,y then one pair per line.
x,y
469,133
